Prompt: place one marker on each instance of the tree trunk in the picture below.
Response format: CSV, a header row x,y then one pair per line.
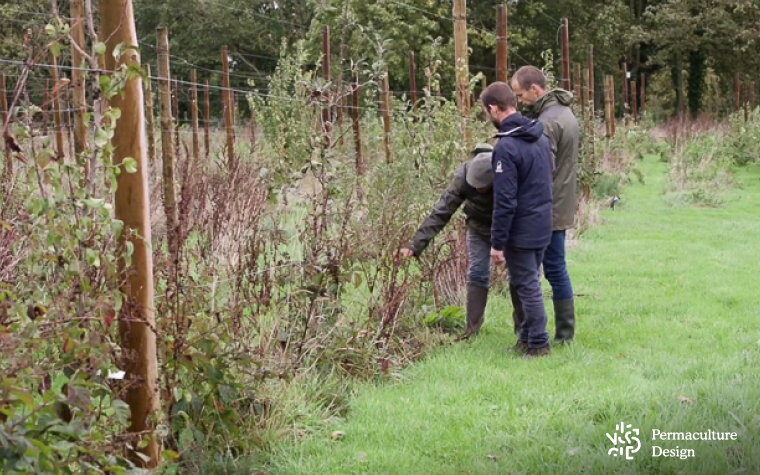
x,y
696,81
137,319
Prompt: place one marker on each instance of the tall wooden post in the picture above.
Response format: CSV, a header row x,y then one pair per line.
x,y
229,120
59,144
326,74
461,64
413,78
626,96
167,147
207,117
576,83
643,88
5,120
77,77
355,117
149,115
609,105
586,97
566,55
591,82
136,320
385,110
175,116
635,101
194,117
502,44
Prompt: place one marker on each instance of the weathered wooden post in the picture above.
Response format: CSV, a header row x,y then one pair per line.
x,y
355,122
385,110
229,118
137,321
167,148
57,86
79,97
461,65
149,115
326,74
502,44
566,55
413,78
194,117
207,117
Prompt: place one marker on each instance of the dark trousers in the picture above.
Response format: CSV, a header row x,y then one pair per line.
x,y
555,267
523,266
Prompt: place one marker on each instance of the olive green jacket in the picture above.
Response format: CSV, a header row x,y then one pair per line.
x,y
478,208
560,125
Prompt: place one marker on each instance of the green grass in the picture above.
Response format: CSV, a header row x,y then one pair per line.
x,y
669,309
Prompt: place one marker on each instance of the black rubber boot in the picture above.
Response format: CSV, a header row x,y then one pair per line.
x,y
517,311
564,320
477,297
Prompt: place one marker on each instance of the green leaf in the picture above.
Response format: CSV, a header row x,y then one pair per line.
x,y
101,138
50,29
99,48
130,165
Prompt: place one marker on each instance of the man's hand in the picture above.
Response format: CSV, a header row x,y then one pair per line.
x,y
497,256
405,252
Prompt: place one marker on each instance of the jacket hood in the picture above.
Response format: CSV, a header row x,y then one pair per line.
x,y
521,128
555,96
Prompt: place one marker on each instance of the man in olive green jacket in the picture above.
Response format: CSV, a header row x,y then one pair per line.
x,y
553,110
472,185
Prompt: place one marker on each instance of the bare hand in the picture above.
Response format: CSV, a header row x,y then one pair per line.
x,y
497,257
405,252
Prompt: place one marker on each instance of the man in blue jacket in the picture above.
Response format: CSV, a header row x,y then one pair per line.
x,y
522,217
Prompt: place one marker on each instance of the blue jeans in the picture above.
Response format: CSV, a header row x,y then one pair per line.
x,y
555,267
523,266
479,259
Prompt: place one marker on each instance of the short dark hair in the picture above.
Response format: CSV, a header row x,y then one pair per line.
x,y
528,76
500,95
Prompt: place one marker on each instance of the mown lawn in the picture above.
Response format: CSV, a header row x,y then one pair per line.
x,y
668,338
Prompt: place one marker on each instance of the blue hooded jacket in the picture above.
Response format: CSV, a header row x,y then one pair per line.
x,y
522,186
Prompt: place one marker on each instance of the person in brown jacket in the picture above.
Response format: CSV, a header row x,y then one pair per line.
x,y
553,109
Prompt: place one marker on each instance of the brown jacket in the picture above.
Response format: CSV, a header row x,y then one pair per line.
x,y
560,125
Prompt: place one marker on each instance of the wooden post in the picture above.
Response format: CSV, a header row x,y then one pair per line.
x,y
461,64
502,44
167,147
577,84
635,101
229,121
77,78
194,117
609,105
59,145
355,117
385,109
46,108
566,55
584,91
413,78
745,100
137,321
5,121
590,116
591,82
643,89
207,117
175,116
326,74
626,96
751,98
149,115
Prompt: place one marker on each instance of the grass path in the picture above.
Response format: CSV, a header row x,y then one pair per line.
x,y
668,338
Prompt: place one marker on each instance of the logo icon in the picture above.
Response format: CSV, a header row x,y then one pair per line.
x,y
498,167
624,441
